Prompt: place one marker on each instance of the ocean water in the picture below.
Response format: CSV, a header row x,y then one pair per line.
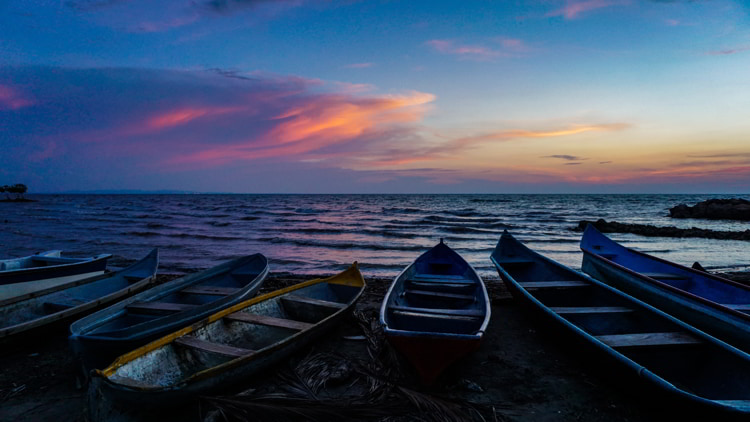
x,y
322,234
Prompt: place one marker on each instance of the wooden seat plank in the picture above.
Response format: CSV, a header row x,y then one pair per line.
x,y
440,285
441,311
439,295
553,284
269,321
210,290
565,310
451,277
311,301
437,316
208,346
158,307
647,339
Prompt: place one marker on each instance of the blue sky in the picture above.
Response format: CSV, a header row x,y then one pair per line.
x,y
367,96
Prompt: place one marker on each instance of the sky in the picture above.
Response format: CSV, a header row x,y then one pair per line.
x,y
261,96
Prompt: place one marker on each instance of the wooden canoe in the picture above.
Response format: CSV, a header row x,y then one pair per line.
x,y
99,338
227,347
29,274
435,311
651,346
20,314
713,304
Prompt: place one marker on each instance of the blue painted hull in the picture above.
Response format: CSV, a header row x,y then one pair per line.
x,y
99,338
436,311
651,346
711,303
26,313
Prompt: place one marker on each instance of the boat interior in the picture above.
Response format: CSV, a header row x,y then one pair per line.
x,y
84,291
632,330
438,294
182,297
689,280
239,334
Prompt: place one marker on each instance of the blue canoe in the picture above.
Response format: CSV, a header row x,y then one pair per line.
x,y
716,305
666,353
23,313
100,337
19,276
436,311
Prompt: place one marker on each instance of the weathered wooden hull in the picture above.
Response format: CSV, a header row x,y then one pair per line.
x,y
710,303
99,338
226,347
25,313
648,345
431,354
436,311
35,273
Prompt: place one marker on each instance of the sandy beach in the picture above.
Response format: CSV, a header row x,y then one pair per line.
x,y
521,372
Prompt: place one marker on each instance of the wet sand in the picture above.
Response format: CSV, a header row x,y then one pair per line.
x,y
522,371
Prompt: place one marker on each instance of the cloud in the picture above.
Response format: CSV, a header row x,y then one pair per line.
x,y
359,65
566,157
728,51
144,16
12,98
521,133
573,9
179,119
467,52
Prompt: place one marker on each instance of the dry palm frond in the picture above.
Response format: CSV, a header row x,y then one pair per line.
x,y
304,395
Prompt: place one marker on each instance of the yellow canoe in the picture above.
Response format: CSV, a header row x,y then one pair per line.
x,y
227,346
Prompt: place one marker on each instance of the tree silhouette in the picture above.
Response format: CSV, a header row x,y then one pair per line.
x,y
19,189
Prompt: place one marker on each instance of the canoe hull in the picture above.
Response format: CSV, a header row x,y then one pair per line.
x,y
430,355
435,311
26,314
716,319
21,281
687,366
223,349
95,348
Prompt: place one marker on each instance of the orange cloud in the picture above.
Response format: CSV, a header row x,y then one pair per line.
x,y
319,123
518,133
183,116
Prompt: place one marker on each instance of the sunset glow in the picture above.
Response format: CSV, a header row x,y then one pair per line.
x,y
547,96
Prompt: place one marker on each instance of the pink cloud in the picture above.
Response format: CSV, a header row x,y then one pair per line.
x,y
573,9
359,65
472,52
12,98
508,47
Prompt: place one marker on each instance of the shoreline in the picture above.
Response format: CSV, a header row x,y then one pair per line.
x,y
522,371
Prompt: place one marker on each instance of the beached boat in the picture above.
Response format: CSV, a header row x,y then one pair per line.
x,y
626,333
436,311
29,274
713,304
227,347
99,338
20,314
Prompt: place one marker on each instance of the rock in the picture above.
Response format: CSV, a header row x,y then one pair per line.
x,y
714,209
654,231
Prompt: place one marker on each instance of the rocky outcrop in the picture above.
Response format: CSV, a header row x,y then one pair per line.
x,y
654,231
714,209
